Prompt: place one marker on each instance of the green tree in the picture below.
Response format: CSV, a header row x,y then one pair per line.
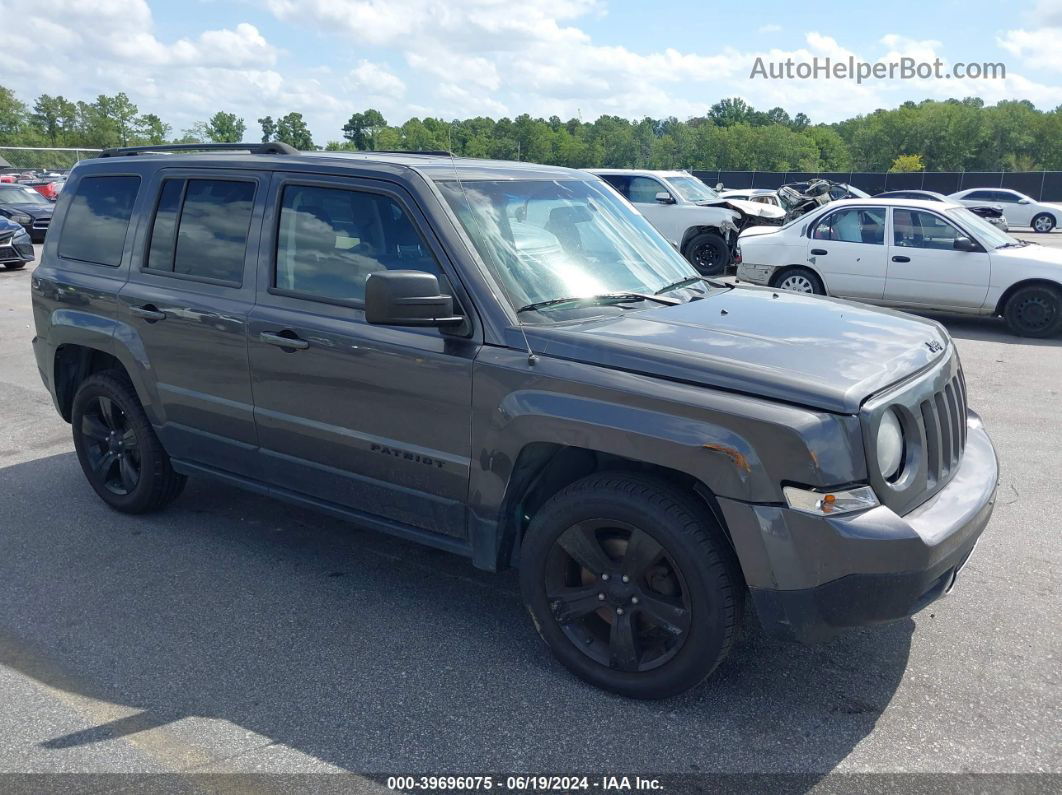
x,y
13,117
225,128
362,128
908,163
269,129
151,129
292,130
55,118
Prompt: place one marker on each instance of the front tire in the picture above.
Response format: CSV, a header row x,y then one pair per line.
x,y
708,253
631,584
119,452
799,280
1044,222
1034,311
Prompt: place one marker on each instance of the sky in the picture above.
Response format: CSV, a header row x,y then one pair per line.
x,y
459,58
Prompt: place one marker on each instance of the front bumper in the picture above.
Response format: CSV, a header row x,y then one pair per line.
x,y
811,577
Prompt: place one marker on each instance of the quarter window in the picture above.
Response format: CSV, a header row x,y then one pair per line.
x,y
98,218
855,225
331,239
201,228
917,229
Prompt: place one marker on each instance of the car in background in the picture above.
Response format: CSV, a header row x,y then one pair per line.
x,y
993,213
16,248
911,254
27,207
760,195
1020,210
49,188
702,225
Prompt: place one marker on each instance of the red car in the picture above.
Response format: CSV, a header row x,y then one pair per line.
x,y
49,190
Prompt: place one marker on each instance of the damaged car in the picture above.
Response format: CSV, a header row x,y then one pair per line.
x,y
702,225
801,198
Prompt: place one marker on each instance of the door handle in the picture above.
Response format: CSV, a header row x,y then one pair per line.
x,y
901,258
150,313
818,251
292,343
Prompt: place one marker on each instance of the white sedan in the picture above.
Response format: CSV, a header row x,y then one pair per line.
x,y
910,254
1018,209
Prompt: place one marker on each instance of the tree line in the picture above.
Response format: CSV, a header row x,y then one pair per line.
x,y
949,135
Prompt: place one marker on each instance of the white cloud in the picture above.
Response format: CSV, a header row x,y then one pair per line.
x,y
772,28
374,80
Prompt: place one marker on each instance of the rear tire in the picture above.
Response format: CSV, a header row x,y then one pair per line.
x,y
1034,311
662,630
1044,222
14,266
119,452
708,253
799,280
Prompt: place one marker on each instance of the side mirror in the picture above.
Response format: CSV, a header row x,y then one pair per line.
x,y
664,197
1024,201
407,298
719,186
965,244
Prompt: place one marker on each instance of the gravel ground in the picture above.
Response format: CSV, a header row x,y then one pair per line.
x,y
234,633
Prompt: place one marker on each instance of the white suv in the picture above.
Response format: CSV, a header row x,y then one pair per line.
x,y
1018,209
696,220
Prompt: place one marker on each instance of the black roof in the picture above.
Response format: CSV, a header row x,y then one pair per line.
x,y
434,165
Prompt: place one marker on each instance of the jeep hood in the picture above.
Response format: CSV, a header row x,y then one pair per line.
x,y
812,351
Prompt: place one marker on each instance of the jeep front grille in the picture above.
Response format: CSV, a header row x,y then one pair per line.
x,y
944,423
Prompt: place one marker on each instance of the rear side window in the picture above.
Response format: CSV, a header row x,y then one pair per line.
x,y
331,239
201,228
97,220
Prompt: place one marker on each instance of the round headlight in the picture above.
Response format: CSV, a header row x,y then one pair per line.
x,y
890,445
21,219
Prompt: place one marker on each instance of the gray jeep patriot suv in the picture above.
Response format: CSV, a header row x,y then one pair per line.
x,y
505,361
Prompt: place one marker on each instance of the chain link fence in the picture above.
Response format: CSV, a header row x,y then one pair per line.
x,y
1040,185
40,158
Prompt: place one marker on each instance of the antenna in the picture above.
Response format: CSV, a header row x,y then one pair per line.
x,y
532,359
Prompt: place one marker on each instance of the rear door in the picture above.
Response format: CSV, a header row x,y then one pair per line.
x,y
375,419
190,289
926,270
847,247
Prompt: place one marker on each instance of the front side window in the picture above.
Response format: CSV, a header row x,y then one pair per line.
x,y
917,229
854,225
544,240
643,190
981,196
98,219
331,239
201,228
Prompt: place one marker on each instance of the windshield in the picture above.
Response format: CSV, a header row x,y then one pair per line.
x,y
991,236
692,189
549,239
17,194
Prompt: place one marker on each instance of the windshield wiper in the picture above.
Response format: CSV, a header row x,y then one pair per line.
x,y
605,298
1015,244
688,281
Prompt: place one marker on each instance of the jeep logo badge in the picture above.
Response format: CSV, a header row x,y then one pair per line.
x,y
934,346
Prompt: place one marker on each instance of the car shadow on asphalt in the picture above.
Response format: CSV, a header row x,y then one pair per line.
x,y
985,329
372,653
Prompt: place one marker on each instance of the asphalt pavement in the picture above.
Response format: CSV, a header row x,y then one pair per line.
x,y
234,633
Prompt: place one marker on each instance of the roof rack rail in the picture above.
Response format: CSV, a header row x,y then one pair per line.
x,y
271,148
434,152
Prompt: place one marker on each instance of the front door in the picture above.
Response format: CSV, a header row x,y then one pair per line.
x,y
190,289
847,247
374,419
925,269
